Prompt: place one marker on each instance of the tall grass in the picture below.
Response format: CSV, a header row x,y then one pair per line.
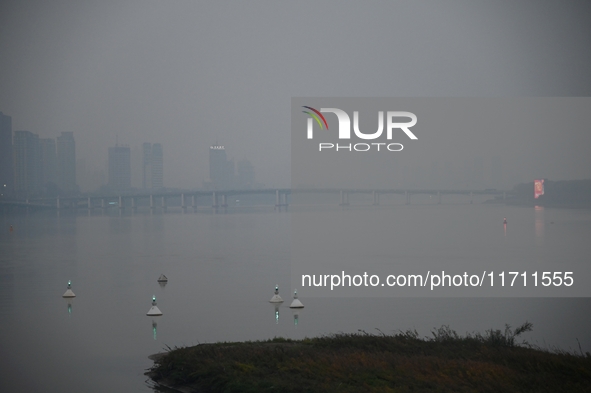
x,y
364,362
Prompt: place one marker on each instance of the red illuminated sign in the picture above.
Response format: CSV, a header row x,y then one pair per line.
x,y
538,188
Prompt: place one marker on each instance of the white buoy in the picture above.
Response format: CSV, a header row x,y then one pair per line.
x,y
276,298
296,302
154,310
69,292
162,278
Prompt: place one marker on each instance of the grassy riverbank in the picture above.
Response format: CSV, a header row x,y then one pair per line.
x,y
362,362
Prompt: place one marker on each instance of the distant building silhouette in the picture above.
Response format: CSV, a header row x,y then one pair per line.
x,y
221,170
120,168
157,165
146,165
6,157
152,166
27,159
245,175
48,162
66,162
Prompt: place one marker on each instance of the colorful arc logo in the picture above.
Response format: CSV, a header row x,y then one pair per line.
x,y
314,113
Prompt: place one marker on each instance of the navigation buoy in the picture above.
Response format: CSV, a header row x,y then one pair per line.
x,y
69,292
504,221
162,278
296,302
154,310
276,298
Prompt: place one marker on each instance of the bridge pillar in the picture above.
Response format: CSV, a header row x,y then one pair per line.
x,y
120,202
89,204
193,203
439,197
103,203
280,200
183,206
163,202
344,198
471,198
376,198
133,205
151,202
57,203
224,203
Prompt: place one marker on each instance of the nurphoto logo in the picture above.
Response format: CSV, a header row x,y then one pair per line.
x,y
344,131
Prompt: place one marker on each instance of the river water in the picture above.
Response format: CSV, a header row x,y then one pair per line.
x,y
222,270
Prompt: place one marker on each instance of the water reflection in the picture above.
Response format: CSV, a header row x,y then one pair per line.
x,y
276,312
69,302
162,281
115,260
539,222
296,312
155,320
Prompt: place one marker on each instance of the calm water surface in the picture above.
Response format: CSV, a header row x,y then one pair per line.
x,y
222,269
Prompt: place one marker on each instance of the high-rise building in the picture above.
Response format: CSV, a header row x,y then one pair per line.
x,y
27,159
48,162
157,166
221,171
146,165
136,167
120,168
66,162
6,157
245,174
152,166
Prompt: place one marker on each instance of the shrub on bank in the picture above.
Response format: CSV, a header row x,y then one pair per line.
x,y
401,362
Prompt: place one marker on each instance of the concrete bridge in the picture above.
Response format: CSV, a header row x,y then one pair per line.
x,y
219,199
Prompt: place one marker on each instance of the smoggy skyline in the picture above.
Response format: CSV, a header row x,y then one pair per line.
x,y
188,74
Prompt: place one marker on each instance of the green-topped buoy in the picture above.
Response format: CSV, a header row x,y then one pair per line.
x,y
296,302
276,298
154,310
69,292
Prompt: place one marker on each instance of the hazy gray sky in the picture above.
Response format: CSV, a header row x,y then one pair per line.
x,y
188,73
